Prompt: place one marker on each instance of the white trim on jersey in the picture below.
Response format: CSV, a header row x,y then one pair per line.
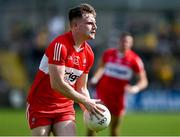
x,y
44,64
57,52
71,74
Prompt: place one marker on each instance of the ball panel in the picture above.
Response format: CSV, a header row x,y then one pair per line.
x,y
97,124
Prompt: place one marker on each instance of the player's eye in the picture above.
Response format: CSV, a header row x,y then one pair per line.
x,y
90,23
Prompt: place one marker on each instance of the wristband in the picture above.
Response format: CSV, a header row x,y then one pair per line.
x,y
94,80
135,89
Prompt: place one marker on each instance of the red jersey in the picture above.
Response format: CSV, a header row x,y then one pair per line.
x,y
61,51
118,71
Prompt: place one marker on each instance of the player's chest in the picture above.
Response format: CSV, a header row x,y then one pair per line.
x,y
77,60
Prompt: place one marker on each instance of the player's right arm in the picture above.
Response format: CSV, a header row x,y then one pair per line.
x,y
57,54
57,83
56,73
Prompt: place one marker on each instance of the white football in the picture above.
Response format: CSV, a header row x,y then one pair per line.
x,y
97,124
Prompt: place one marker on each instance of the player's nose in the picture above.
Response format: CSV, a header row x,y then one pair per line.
x,y
94,26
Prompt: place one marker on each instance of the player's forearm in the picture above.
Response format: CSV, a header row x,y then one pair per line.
x,y
68,91
139,86
142,84
85,92
81,87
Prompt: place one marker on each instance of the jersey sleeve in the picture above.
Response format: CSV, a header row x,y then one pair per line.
x,y
105,56
90,61
138,65
56,53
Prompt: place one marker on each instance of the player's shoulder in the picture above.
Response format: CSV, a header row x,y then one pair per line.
x,y
110,51
88,48
132,53
64,40
60,43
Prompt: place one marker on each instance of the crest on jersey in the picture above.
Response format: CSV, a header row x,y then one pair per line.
x,y
70,58
76,60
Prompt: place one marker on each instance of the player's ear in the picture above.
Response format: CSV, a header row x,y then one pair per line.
x,y
74,23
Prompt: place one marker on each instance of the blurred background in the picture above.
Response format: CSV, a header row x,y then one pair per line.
x,y
28,26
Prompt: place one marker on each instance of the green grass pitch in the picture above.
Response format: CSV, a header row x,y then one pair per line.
x,y
13,123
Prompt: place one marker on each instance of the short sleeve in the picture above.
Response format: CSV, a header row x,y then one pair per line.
x,y
90,60
138,65
105,55
56,53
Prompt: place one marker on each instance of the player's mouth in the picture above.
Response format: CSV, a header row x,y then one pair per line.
x,y
93,32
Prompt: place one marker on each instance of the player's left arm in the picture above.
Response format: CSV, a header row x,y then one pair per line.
x,y
81,87
142,81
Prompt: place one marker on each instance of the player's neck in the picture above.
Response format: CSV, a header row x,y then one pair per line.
x,y
121,51
120,54
78,40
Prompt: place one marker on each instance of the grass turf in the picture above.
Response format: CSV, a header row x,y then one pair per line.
x,y
13,123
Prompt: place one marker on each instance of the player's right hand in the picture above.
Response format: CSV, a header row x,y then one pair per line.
x,y
92,106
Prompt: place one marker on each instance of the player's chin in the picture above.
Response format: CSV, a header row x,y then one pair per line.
x,y
92,36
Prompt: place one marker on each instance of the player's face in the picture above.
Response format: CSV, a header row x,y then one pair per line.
x,y
126,43
87,26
